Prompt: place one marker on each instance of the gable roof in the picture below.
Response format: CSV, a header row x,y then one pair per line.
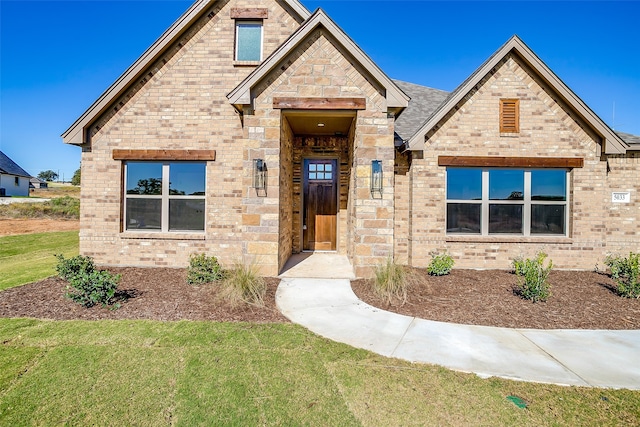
x,y
9,167
612,143
632,140
241,95
76,132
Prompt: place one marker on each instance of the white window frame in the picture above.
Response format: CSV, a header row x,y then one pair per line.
x,y
526,204
164,196
240,22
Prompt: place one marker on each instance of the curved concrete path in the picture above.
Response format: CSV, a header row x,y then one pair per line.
x,y
329,308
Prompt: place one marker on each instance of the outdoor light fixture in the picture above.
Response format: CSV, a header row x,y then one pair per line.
x,y
376,178
259,174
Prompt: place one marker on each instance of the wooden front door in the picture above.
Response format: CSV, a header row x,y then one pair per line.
x,y
320,201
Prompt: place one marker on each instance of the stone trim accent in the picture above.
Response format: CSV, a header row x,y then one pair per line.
x,y
184,155
249,13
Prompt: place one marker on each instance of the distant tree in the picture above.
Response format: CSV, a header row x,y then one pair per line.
x,y
147,186
75,180
48,175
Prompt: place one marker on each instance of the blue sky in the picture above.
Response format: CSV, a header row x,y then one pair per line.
x,y
57,57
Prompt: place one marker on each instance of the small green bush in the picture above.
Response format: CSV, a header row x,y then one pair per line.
x,y
390,281
203,269
440,265
533,277
518,265
86,285
626,272
243,283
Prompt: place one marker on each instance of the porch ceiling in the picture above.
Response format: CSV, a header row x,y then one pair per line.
x,y
320,122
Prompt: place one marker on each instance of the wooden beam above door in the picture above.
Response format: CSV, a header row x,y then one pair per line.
x,y
320,103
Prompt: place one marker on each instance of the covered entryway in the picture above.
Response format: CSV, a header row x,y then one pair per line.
x,y
320,204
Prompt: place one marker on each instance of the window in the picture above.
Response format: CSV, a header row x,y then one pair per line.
x,y
509,116
16,181
321,171
507,201
248,40
165,196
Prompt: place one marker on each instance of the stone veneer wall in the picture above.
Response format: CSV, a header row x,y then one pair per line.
x,y
287,195
319,68
181,104
547,129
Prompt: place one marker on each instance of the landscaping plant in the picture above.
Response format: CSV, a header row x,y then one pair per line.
x,y
203,269
440,265
390,281
87,285
243,283
533,277
626,272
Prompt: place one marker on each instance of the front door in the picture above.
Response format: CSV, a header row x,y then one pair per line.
x,y
320,201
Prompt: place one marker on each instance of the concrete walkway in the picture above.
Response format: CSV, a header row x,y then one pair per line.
x,y
329,308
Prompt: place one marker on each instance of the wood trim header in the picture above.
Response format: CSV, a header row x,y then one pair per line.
x,y
249,13
181,155
511,162
320,103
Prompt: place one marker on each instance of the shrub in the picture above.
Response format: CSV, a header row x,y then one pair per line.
x,y
533,277
518,265
390,281
243,283
203,269
440,265
625,271
86,285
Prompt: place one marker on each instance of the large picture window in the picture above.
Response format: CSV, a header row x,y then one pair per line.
x,y
165,196
507,201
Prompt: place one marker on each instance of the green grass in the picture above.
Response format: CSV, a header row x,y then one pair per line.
x,y
62,207
205,373
29,257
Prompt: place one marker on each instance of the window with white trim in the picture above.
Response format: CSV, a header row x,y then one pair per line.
x,y
503,201
248,40
164,196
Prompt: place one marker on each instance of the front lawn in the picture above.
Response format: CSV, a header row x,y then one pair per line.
x,y
151,373
29,257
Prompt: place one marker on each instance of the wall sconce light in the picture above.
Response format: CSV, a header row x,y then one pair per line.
x,y
259,174
376,178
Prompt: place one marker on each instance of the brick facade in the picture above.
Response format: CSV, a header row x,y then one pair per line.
x,y
180,103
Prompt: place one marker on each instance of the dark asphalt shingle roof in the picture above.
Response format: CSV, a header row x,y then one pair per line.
x,y
10,167
629,139
424,101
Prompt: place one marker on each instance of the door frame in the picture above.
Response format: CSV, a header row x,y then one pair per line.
x,y
303,201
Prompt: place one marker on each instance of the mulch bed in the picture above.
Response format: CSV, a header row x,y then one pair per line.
x,y
153,293
579,300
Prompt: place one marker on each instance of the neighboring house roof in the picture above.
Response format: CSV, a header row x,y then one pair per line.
x,y
424,101
241,95
9,167
76,132
613,144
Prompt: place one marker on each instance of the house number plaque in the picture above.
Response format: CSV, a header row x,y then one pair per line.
x,y
621,197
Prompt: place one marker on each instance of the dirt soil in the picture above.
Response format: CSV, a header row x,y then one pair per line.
x,y
579,300
10,227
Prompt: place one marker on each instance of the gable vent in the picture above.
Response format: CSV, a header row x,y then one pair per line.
x,y
509,115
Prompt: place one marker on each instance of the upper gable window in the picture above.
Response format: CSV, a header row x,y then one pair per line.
x,y
509,116
248,40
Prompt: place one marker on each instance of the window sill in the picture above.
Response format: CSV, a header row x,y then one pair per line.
x,y
558,240
246,63
510,134
135,235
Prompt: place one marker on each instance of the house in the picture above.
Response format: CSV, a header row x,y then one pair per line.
x,y
36,182
14,181
256,130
